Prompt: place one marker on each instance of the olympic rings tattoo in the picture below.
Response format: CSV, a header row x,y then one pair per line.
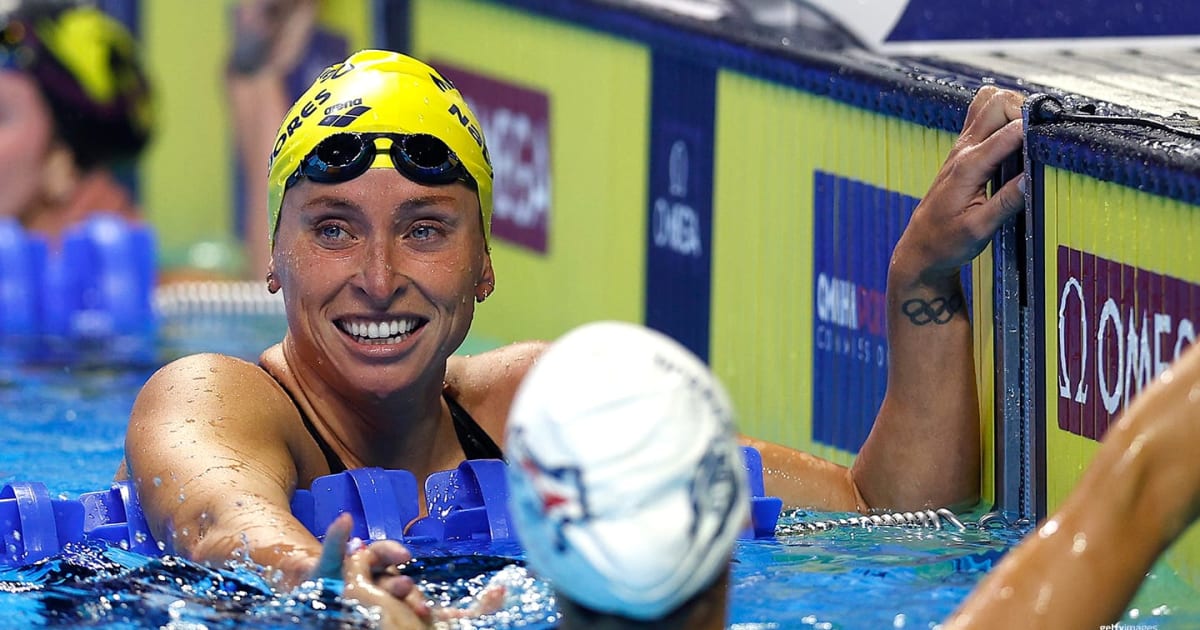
x,y
939,310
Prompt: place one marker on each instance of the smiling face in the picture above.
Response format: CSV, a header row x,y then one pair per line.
x,y
26,136
380,276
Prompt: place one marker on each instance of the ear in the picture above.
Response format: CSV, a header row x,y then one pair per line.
x,y
486,284
273,285
60,176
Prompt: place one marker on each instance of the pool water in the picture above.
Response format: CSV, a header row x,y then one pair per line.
x,y
62,423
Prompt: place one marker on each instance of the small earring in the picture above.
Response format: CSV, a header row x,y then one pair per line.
x,y
483,295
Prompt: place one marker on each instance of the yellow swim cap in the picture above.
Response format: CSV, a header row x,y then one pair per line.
x,y
379,91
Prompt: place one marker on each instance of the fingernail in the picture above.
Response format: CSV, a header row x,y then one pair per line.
x,y
1021,184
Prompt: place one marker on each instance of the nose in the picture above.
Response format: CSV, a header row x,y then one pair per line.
x,y
380,278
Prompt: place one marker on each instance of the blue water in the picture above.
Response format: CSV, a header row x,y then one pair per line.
x,y
62,423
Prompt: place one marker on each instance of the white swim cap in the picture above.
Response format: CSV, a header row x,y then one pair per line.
x,y
627,484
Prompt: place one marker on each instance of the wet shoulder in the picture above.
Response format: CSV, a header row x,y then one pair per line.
x,y
485,384
212,403
211,381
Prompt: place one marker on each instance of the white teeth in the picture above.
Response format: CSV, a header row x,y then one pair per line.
x,y
389,331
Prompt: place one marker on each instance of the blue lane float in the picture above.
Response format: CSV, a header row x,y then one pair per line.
x,y
466,505
96,282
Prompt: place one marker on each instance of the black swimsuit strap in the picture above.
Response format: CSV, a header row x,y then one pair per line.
x,y
335,463
475,442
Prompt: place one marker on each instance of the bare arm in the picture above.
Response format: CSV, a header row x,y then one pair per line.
x,y
257,105
924,448
208,451
1083,565
271,38
804,480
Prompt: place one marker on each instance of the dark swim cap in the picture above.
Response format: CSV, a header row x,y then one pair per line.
x,y
85,64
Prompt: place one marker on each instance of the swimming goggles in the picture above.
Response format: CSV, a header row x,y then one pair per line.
x,y
421,157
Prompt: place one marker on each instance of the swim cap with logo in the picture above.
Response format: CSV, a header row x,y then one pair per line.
x,y
379,91
627,484
86,65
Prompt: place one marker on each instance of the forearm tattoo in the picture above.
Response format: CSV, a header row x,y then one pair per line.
x,y
939,310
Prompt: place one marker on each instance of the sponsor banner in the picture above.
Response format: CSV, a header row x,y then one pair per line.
x,y
1119,327
679,235
516,123
856,225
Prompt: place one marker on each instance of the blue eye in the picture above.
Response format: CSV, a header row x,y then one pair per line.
x,y
423,232
332,232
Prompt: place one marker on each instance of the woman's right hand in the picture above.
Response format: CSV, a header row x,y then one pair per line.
x,y
364,571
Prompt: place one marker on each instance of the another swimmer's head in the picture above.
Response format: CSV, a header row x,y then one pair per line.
x,y
627,483
328,135
85,65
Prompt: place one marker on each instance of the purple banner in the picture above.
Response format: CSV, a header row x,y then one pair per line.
x,y
516,122
1119,327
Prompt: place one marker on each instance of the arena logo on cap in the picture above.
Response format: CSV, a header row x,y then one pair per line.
x,y
516,121
343,120
1119,327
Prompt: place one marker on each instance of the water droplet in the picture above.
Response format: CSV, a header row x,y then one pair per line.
x,y
157,482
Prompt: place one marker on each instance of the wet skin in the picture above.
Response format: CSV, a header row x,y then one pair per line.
x,y
379,249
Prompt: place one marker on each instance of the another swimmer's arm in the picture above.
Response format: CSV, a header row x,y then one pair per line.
x,y
802,480
1082,566
924,448
213,472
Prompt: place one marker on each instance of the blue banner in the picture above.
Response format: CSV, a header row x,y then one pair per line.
x,y
855,228
679,234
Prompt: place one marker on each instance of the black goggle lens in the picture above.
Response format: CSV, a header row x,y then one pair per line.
x,y
343,156
430,159
339,157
